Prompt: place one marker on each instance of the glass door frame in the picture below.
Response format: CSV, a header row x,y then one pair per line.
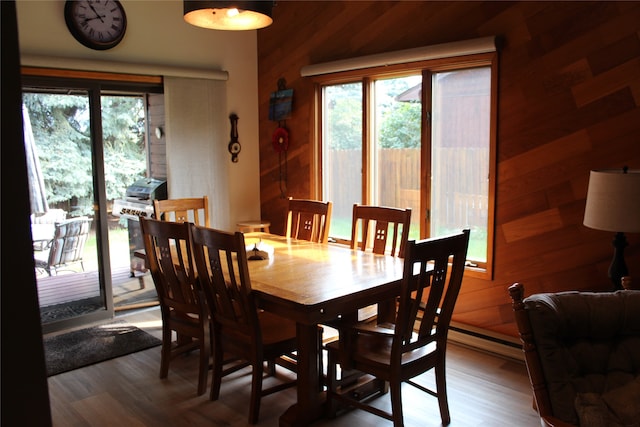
x,y
97,84
93,90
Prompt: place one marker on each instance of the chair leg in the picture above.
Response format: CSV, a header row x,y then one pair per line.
x,y
218,361
332,372
256,392
441,387
396,403
203,369
271,368
165,354
321,379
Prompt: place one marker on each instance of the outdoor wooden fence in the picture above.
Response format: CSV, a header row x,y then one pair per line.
x,y
462,202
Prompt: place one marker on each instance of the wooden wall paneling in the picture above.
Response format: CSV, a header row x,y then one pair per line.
x,y
606,83
557,150
569,94
619,52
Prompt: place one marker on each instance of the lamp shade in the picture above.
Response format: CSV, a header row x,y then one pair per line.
x,y
228,15
613,200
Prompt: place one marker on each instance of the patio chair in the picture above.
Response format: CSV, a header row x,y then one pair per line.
x,y
66,247
43,227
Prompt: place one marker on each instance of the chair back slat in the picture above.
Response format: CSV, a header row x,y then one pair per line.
x,y
433,270
193,209
389,227
308,220
221,262
168,252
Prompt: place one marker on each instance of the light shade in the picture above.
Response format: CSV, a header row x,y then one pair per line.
x,y
229,15
613,201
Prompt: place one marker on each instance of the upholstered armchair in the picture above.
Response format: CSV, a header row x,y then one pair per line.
x,y
582,351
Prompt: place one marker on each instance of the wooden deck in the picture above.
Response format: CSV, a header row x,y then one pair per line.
x,y
70,286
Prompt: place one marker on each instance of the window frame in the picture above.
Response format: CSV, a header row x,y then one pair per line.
x,y
366,76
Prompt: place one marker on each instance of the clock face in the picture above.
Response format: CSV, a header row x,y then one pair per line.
x,y
97,24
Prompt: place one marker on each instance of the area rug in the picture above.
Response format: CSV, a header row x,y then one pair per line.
x,y
85,347
70,309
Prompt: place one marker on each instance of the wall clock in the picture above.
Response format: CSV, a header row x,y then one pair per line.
x,y
97,24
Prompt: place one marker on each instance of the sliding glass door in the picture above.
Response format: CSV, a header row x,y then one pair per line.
x,y
86,145
66,224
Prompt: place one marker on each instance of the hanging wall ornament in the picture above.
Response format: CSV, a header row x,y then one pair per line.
x,y
280,139
234,145
280,102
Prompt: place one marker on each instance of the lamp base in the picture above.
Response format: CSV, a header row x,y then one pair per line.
x,y
618,268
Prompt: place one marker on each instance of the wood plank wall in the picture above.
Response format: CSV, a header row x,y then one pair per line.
x,y
569,101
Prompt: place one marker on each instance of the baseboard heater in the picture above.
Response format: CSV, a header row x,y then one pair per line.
x,y
484,340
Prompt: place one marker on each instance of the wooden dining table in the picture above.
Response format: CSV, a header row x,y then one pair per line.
x,y
315,283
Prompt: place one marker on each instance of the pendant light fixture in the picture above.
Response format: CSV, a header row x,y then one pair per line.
x,y
228,15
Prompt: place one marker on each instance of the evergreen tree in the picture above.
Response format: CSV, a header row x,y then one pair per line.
x,y
61,130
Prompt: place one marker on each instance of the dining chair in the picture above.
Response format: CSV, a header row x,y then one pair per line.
x,y
390,227
239,328
182,303
379,229
309,220
416,341
193,209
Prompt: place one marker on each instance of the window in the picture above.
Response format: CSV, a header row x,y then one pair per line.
x,y
418,135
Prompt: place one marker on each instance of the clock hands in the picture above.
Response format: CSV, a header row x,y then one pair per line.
x,y
97,14
95,17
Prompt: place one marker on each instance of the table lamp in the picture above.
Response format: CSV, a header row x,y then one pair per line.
x,y
613,204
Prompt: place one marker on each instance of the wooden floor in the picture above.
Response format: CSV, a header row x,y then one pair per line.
x,y
484,390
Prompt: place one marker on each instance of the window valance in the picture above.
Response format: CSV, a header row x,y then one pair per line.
x,y
123,67
444,50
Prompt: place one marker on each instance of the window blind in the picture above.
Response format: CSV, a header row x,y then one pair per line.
x,y
444,50
123,67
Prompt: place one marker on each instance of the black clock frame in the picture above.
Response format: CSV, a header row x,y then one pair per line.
x,y
72,25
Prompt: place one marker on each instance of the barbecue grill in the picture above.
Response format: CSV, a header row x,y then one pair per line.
x,y
138,202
